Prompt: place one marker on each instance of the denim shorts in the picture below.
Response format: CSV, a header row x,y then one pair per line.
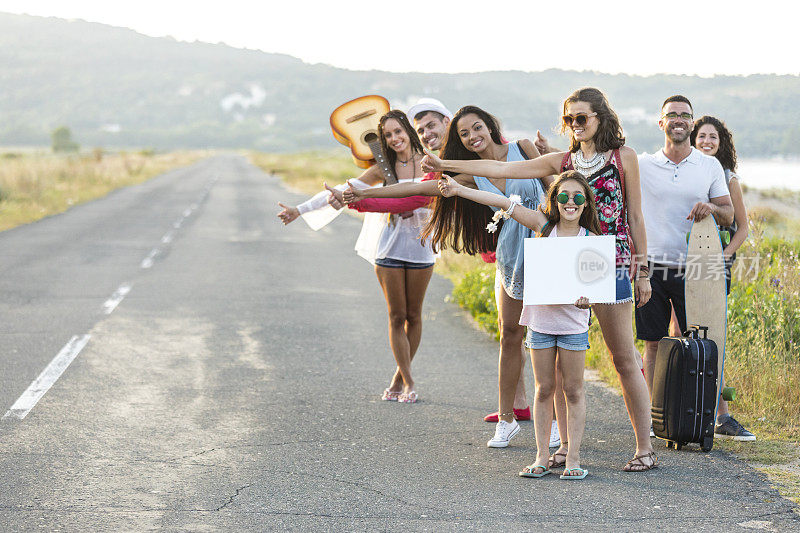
x,y
624,289
572,341
388,262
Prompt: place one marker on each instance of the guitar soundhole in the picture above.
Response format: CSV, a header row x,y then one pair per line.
x,y
370,137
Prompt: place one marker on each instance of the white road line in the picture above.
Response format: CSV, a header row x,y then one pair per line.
x,y
147,262
167,238
116,298
49,375
178,223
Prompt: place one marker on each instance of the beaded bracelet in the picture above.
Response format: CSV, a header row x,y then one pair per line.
x,y
503,213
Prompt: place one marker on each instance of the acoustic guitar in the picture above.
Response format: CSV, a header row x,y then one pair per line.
x,y
355,124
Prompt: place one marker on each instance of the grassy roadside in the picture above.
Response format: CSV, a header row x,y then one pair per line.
x,y
34,185
764,316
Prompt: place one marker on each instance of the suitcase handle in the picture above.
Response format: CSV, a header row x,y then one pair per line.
x,y
694,331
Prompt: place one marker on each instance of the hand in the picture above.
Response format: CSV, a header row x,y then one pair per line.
x,y
700,211
431,163
335,200
541,144
582,303
642,291
351,194
288,214
448,186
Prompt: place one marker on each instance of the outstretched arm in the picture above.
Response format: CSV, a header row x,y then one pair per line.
x,y
316,210
531,218
539,167
400,190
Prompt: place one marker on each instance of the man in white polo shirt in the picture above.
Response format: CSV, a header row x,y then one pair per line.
x,y
679,184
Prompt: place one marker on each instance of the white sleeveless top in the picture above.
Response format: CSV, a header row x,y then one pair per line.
x,y
557,319
384,235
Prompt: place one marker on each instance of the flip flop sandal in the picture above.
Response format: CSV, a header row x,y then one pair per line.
x,y
581,473
553,463
528,471
638,465
390,396
411,397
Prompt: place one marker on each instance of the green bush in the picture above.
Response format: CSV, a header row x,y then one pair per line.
x,y
475,293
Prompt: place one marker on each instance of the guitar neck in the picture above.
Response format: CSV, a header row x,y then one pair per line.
x,y
382,161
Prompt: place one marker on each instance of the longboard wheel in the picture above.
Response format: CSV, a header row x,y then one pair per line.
x,y
728,394
725,235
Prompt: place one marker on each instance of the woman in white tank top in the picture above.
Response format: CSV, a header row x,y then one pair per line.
x,y
403,263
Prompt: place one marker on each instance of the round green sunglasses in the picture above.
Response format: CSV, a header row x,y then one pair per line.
x,y
563,198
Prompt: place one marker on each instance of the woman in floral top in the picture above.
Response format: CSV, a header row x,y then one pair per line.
x,y
597,150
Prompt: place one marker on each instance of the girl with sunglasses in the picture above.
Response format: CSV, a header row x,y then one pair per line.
x,y
403,262
597,151
570,212
475,134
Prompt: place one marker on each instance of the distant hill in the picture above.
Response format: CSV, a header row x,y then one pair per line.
x,y
114,88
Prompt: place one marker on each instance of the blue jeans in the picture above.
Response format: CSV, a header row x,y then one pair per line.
x,y
569,341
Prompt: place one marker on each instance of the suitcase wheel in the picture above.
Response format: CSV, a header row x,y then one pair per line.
x,y
708,443
728,394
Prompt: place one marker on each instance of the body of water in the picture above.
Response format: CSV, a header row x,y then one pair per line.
x,y
770,173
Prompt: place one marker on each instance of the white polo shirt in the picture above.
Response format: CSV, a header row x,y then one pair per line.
x,y
669,191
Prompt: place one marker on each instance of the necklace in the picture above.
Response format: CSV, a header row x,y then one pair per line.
x,y
587,167
404,163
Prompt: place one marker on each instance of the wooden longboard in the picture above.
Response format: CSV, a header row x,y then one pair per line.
x,y
705,288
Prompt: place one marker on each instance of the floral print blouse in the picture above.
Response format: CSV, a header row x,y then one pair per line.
x,y
608,186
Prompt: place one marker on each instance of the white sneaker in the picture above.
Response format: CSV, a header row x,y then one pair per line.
x,y
503,432
555,438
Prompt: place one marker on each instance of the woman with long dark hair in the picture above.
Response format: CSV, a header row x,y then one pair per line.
x,y
459,224
712,137
403,262
597,150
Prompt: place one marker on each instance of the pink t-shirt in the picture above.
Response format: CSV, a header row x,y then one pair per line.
x,y
557,319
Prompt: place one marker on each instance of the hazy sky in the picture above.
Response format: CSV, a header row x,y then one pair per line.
x,y
635,37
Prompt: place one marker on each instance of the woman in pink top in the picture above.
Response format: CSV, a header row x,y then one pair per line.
x,y
570,212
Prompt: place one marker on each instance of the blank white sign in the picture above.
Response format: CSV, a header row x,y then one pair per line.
x,y
562,269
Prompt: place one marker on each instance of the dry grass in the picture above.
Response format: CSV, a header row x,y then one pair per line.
x,y
307,171
36,185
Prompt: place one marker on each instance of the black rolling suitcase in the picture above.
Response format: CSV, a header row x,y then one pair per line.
x,y
685,389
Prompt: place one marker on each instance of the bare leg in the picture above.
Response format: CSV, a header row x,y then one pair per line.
x,y
674,328
571,364
560,407
544,374
392,281
520,397
416,282
615,323
650,351
510,365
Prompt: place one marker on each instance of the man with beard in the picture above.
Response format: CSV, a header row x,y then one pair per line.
x,y
679,184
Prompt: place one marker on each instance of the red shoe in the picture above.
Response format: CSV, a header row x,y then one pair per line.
x,y
519,414
523,414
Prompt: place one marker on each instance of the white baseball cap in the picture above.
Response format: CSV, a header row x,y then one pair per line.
x,y
428,104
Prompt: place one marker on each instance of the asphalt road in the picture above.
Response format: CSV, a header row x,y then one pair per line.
x,y
236,385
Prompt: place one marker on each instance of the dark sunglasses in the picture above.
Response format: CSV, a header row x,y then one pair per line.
x,y
579,119
563,198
